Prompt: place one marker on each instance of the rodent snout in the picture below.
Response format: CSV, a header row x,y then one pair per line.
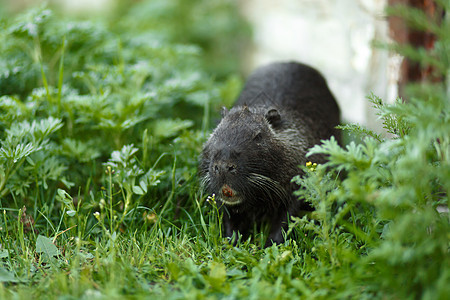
x,y
224,168
227,191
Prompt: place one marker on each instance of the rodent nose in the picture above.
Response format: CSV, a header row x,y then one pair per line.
x,y
223,167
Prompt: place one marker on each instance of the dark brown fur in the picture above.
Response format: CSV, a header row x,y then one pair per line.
x,y
250,158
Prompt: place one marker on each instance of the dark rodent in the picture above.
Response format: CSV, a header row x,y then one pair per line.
x,y
252,155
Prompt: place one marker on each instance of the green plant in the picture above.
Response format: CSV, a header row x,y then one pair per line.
x,y
214,26
378,225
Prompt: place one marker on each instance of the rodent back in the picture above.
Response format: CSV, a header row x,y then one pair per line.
x,y
293,87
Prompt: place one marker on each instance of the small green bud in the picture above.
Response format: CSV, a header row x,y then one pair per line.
x,y
102,203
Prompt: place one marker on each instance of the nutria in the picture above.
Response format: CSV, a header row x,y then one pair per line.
x,y
250,158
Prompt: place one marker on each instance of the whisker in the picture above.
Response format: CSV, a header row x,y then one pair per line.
x,y
271,188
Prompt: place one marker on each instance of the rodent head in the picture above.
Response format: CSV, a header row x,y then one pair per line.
x,y
242,162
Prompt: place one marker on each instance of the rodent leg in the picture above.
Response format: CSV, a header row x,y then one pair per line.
x,y
278,224
234,223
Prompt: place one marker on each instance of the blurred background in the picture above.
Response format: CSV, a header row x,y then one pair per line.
x,y
336,37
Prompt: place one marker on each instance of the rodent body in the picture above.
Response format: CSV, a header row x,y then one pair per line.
x,y
252,155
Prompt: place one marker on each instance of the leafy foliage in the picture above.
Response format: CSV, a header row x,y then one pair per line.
x,y
214,26
101,124
385,222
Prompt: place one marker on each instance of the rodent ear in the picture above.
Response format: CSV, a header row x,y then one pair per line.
x,y
224,111
273,116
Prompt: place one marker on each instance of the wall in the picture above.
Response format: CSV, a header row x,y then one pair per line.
x,y
333,36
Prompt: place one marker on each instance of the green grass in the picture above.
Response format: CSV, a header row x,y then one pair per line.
x,y
101,125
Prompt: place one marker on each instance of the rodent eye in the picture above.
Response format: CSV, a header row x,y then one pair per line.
x,y
258,137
